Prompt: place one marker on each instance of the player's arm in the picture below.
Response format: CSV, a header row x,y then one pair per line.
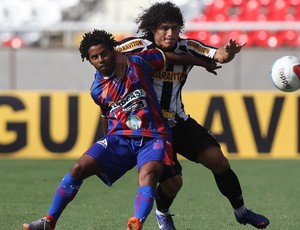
x,y
128,45
121,64
104,123
185,59
227,53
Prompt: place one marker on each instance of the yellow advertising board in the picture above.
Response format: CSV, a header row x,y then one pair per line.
x,y
249,124
47,124
259,124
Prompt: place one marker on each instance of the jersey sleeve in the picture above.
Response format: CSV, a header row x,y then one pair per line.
x,y
197,48
104,109
154,57
133,45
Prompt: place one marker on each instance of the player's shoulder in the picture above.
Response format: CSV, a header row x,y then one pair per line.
x,y
133,44
127,40
150,54
148,59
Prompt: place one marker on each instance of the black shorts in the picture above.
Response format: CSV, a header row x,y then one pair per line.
x,y
189,138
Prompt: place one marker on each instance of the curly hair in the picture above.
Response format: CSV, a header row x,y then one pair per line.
x,y
157,14
94,38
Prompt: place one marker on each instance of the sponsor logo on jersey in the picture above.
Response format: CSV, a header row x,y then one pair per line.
x,y
130,45
197,47
168,114
168,76
139,93
136,106
158,145
133,122
103,143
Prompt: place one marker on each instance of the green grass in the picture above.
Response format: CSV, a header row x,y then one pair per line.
x,y
269,186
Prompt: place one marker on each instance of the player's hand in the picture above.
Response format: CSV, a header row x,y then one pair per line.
x,y
121,64
212,66
233,47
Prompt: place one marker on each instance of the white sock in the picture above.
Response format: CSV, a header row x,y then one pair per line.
x,y
240,211
162,213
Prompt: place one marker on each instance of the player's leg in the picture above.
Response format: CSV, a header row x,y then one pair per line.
x,y
66,191
148,179
94,161
166,192
226,180
197,144
229,185
150,160
169,185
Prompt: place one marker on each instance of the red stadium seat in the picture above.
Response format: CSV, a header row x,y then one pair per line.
x,y
216,39
297,12
251,11
216,11
201,35
265,2
293,2
207,37
233,34
277,11
260,38
288,37
240,36
234,7
234,2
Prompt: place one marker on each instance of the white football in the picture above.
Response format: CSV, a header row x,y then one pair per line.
x,y
285,73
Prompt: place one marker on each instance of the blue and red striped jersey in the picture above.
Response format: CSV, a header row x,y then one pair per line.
x,y
130,103
169,82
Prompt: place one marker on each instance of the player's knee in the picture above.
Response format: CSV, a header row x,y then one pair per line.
x,y
172,185
221,163
148,179
85,167
214,159
149,176
224,164
77,170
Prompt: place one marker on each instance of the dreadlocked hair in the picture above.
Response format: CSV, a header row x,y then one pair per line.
x,y
158,13
93,38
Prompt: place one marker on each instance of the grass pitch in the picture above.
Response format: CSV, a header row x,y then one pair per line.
x,y
270,187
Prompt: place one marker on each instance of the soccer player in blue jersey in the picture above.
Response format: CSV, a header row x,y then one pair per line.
x,y
160,26
138,134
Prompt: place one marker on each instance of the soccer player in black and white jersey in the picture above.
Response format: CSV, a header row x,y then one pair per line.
x,y
160,26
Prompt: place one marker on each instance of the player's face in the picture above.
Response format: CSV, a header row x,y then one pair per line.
x,y
166,35
102,58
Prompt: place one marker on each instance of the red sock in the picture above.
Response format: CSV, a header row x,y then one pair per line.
x,y
52,220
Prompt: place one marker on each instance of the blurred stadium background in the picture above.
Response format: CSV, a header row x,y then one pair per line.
x,y
38,32
39,42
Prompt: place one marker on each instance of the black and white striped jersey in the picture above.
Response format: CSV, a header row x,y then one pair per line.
x,y
168,82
